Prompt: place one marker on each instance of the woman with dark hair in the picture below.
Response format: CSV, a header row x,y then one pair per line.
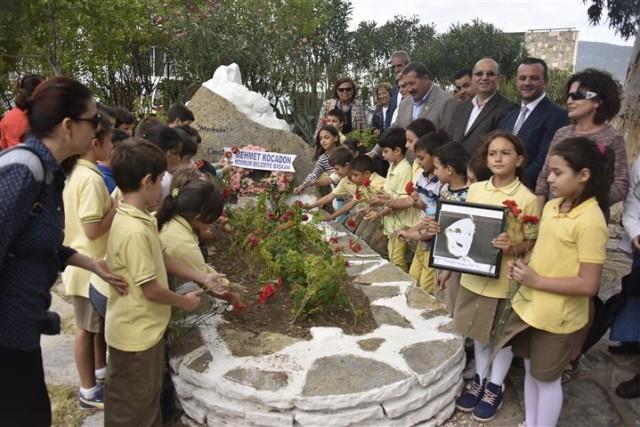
x,y
63,119
593,99
14,125
344,99
382,115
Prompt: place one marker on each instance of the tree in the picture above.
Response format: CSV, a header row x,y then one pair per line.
x,y
464,44
624,18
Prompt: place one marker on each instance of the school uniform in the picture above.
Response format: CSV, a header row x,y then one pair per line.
x,y
554,321
135,325
86,201
397,178
478,303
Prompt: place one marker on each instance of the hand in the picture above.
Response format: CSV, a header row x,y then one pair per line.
x,y
503,242
636,243
117,282
372,215
441,280
217,282
207,234
299,189
402,235
520,271
433,228
191,300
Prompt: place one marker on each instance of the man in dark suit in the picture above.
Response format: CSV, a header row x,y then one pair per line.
x,y
399,60
538,118
473,119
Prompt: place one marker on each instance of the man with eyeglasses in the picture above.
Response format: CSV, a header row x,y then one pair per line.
x,y
473,119
399,60
538,118
426,101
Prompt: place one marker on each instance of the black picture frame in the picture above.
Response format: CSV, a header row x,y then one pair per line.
x,y
476,225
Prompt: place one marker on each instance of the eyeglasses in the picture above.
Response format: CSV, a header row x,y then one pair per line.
x,y
581,95
95,120
345,89
485,73
400,65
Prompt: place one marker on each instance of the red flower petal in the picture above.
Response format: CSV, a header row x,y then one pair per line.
x,y
351,224
366,183
240,307
408,188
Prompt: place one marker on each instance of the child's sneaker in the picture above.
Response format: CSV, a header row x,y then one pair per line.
x,y
471,396
94,401
490,403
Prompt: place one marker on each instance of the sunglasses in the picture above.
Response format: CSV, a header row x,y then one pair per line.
x,y
95,120
485,73
581,95
345,89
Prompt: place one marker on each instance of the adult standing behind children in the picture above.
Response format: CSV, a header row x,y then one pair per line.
x,y
63,118
14,124
179,114
593,98
344,99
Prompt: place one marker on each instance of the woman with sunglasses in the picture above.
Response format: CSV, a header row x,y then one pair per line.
x,y
344,99
593,99
63,118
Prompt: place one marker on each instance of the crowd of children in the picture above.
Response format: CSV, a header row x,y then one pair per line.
x,y
128,267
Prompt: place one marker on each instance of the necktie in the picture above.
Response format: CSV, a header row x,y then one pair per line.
x,y
521,118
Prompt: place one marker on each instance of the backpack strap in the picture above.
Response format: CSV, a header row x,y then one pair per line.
x,y
26,155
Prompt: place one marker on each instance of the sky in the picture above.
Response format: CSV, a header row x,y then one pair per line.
x,y
508,15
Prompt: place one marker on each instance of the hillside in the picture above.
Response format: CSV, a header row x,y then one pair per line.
x,y
604,56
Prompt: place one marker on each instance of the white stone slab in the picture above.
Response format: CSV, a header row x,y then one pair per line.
x,y
339,418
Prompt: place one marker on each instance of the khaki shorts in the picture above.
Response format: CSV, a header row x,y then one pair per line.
x,y
86,316
549,353
475,316
133,387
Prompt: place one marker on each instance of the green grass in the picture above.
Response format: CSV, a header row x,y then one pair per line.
x,y
64,406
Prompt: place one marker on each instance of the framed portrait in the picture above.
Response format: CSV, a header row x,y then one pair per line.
x,y
464,241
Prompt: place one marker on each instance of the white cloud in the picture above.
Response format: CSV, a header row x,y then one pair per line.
x,y
508,15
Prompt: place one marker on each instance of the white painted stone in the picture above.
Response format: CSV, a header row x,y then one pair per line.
x,y
220,405
183,389
194,410
419,396
455,361
227,82
214,420
339,418
269,419
324,333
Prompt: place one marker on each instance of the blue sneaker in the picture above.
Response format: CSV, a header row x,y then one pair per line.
x,y
490,403
94,402
471,396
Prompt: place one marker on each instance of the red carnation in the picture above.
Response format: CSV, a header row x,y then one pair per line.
x,y
239,307
267,292
272,216
408,188
253,240
354,246
228,154
358,196
515,211
225,193
305,217
235,149
333,239
529,219
366,183
351,224
298,204
510,204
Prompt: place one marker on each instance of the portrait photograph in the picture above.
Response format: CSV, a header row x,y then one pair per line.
x,y
464,241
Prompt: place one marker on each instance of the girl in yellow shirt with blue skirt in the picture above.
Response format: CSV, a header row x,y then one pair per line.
x,y
564,271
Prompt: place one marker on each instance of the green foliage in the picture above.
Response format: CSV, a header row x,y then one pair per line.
x,y
368,138
623,15
292,250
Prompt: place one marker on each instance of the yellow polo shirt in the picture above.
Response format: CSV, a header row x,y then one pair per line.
x,y
416,170
134,252
397,178
566,240
86,200
485,192
346,187
179,241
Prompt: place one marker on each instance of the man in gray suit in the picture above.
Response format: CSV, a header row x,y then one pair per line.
x,y
475,118
426,101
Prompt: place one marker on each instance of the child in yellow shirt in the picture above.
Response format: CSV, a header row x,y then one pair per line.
x,y
89,212
136,322
564,271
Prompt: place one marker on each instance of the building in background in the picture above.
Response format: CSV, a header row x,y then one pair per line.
x,y
557,46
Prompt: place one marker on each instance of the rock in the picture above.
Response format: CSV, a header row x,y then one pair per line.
x,y
258,379
418,298
336,375
187,342
201,363
434,313
388,316
221,125
377,292
385,273
57,359
349,417
371,344
447,328
430,359
193,410
242,343
586,404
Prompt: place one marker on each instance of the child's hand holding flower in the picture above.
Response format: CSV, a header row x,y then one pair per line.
x,y
503,242
520,271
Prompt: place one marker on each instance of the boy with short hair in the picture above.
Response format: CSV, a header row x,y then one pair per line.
x,y
189,146
89,212
117,136
399,175
425,198
179,114
335,118
136,322
125,120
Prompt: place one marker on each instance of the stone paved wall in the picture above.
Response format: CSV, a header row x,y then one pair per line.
x,y
556,47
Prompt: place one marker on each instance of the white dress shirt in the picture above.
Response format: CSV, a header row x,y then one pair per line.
x,y
475,112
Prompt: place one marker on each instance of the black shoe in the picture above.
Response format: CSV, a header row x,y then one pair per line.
x,y
629,389
625,348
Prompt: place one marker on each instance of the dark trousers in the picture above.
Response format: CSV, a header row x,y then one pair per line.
x,y
24,400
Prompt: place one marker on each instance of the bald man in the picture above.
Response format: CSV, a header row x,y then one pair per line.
x,y
475,118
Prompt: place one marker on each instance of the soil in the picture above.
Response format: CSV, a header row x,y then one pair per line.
x,y
277,313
